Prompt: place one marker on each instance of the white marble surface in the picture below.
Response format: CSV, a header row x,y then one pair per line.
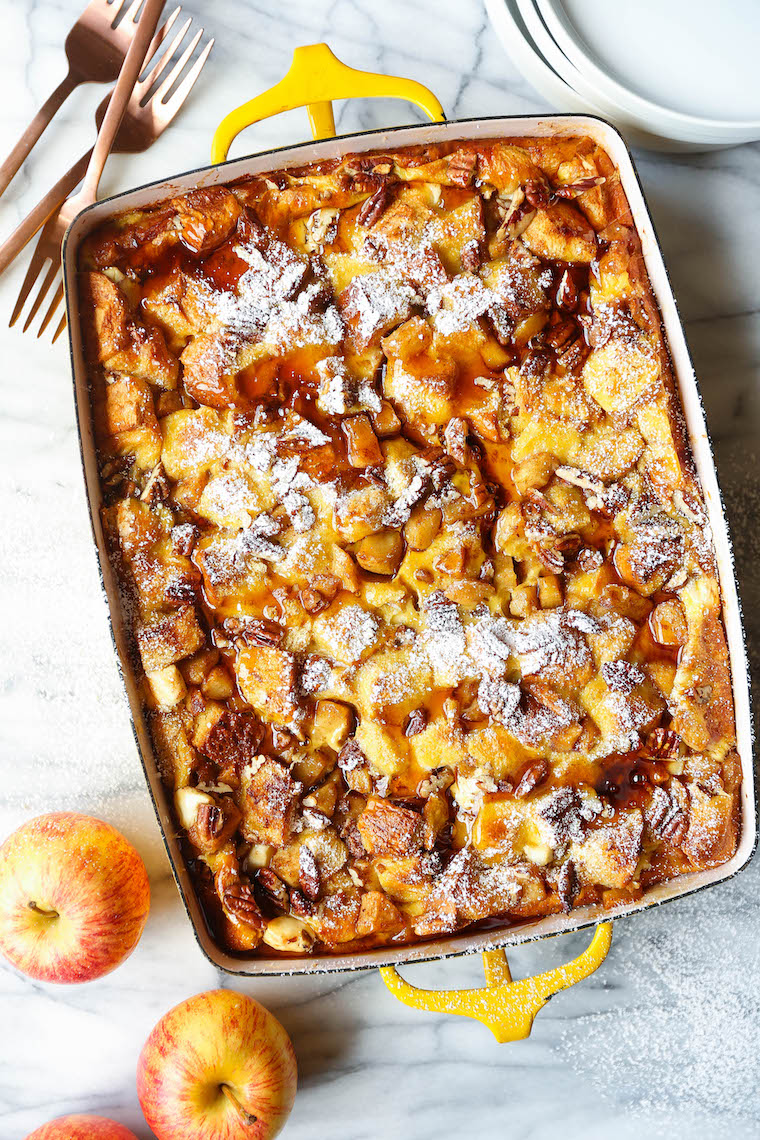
x,y
664,1040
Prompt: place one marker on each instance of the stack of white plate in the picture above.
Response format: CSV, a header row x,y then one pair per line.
x,y
671,74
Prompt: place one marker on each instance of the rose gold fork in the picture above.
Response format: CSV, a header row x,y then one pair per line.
x,y
95,50
146,117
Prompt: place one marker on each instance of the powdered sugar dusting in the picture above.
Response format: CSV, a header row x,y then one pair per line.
x,y
264,285
457,304
682,1033
550,640
270,302
355,629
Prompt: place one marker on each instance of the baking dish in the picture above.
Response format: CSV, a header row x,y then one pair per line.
x,y
315,79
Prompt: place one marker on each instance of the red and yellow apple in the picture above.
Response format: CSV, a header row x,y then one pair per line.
x,y
79,1127
217,1067
74,898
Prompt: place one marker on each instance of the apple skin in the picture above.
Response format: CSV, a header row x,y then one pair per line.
x,y
79,1127
216,1039
93,882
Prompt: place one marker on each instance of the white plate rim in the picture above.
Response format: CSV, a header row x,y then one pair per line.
x,y
569,41
533,67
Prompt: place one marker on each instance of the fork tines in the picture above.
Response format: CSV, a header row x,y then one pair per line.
x,y
164,87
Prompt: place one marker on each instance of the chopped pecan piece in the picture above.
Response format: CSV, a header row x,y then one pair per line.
x,y
461,167
667,812
351,756
156,489
313,601
590,558
437,780
472,256
455,436
533,775
375,206
573,357
568,886
550,556
283,741
563,813
352,838
241,906
315,819
308,873
272,889
416,722
209,821
300,905
558,335
254,631
537,193
573,189
662,743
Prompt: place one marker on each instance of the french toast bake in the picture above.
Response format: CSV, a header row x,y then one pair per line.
x,y
412,550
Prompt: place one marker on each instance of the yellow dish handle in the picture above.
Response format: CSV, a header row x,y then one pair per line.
x,y
506,1007
315,78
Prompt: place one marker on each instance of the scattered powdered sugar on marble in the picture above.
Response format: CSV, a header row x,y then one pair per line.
x,y
66,730
675,1024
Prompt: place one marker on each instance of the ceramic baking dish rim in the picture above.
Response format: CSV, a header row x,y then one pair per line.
x,y
463,942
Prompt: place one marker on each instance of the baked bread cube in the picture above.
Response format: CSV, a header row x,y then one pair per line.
x,y
116,339
267,679
169,637
269,798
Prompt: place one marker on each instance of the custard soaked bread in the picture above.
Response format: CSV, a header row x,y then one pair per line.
x,y
411,543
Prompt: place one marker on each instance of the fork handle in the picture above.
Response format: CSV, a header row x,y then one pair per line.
x,y
117,104
45,208
21,150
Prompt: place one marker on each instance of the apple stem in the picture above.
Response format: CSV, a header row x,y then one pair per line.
x,y
245,1116
41,910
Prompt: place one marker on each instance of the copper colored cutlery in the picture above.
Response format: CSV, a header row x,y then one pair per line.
x,y
95,49
148,103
